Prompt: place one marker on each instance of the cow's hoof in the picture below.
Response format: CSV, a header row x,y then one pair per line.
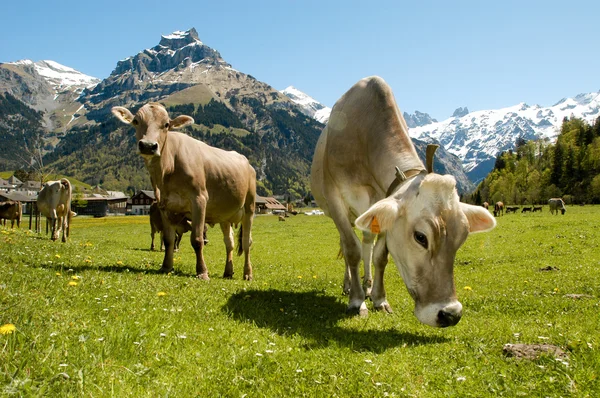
x,y
247,277
228,275
164,270
384,307
361,311
203,276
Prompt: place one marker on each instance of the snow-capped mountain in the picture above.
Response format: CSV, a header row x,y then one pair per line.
x,y
477,137
60,77
308,104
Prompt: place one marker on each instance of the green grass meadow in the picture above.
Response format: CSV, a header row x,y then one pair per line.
x,y
93,317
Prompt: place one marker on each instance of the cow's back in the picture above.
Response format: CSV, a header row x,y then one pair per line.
x,y
365,138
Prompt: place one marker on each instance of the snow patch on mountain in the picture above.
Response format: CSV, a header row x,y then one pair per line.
x,y
62,77
477,137
309,105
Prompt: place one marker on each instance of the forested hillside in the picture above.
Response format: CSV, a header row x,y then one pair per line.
x,y
537,170
20,132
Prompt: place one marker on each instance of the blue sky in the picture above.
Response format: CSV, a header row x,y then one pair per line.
x,y
436,55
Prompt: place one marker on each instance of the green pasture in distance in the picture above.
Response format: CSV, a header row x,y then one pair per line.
x,y
93,318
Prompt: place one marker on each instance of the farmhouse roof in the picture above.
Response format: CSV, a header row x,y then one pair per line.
x,y
269,203
14,180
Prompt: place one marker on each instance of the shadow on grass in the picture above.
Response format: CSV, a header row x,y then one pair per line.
x,y
107,268
315,316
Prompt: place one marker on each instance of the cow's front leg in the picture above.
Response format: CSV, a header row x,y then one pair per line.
x,y
380,258
367,254
197,239
352,256
169,242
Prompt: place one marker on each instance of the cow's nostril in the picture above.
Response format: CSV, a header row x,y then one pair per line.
x,y
446,318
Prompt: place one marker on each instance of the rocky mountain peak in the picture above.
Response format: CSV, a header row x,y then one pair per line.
x,y
179,39
460,112
418,119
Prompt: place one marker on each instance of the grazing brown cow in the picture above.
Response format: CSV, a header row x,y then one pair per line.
x,y
556,204
11,210
537,208
486,205
205,184
526,209
366,172
499,209
54,202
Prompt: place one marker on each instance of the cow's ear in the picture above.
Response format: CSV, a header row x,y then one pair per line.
x,y
380,217
122,114
480,219
181,121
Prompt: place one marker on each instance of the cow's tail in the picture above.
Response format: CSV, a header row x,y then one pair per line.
x,y
240,241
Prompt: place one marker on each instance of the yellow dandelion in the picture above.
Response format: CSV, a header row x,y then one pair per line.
x,y
119,262
75,277
72,283
7,328
88,260
5,232
88,244
314,277
468,288
57,255
160,294
58,274
299,276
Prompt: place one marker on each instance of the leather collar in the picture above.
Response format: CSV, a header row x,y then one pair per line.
x,y
402,177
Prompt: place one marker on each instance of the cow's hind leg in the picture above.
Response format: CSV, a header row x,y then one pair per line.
x,y
380,258
229,246
246,240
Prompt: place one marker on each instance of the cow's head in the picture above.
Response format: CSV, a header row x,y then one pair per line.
x,y
152,123
425,224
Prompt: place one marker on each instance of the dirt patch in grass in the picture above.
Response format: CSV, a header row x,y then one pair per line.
x,y
533,351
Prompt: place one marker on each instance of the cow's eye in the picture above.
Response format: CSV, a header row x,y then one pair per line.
x,y
135,122
167,125
421,238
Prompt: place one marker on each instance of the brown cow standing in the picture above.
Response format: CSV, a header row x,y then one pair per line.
x,y
498,209
190,178
11,210
54,202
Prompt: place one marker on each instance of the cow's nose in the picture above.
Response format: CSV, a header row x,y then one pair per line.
x,y
448,318
148,147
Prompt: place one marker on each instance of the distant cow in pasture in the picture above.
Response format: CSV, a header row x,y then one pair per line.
x,y
182,225
526,209
54,203
498,209
281,217
511,209
486,205
11,210
556,205
366,173
204,184
537,208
